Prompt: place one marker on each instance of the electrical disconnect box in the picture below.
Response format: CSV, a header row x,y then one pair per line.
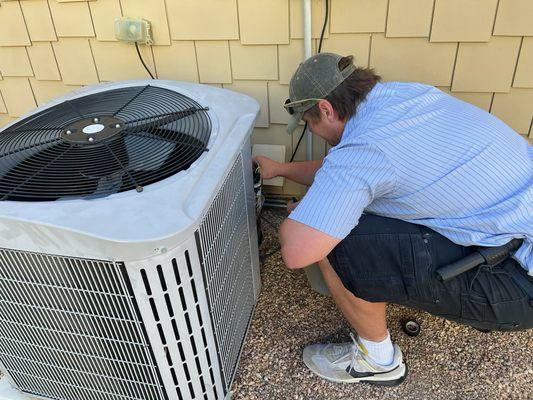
x,y
133,30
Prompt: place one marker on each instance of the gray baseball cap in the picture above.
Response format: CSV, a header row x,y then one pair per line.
x,y
314,79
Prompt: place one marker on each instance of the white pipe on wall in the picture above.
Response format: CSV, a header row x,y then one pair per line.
x,y
307,29
307,54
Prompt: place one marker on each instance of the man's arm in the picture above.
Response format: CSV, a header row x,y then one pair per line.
x,y
302,245
302,172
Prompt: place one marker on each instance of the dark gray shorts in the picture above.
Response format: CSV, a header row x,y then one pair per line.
x,y
389,260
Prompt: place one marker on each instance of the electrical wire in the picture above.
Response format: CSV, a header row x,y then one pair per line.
x,y
264,257
318,52
323,27
142,61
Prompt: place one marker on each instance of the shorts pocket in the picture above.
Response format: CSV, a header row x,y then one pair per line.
x,y
371,267
503,315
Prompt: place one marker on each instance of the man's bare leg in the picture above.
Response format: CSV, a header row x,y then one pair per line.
x,y
366,318
380,361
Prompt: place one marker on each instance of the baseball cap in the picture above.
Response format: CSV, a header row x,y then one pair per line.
x,y
314,79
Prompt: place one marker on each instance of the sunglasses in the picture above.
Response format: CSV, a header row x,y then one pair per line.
x,y
289,104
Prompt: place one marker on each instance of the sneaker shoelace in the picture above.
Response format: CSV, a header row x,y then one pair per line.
x,y
355,352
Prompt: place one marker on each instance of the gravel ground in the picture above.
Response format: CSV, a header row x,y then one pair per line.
x,y
446,361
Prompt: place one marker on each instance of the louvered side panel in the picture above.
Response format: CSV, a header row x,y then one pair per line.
x,y
226,257
69,330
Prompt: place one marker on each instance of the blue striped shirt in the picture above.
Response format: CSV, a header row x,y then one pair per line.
x,y
415,153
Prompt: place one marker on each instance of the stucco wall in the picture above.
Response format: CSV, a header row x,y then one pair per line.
x,y
479,50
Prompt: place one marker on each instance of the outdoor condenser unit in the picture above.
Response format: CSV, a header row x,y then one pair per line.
x,y
128,246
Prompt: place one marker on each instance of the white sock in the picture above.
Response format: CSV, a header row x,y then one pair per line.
x,y
380,352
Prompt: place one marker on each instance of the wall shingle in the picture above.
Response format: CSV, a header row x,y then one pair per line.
x,y
14,61
413,59
45,91
277,94
12,27
3,109
5,119
213,61
257,90
417,24
17,95
38,20
43,61
463,20
515,109
155,12
219,19
71,19
524,70
116,61
104,13
79,70
264,21
356,44
514,18
254,62
358,16
177,62
486,67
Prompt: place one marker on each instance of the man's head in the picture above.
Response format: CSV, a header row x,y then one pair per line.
x,y
325,91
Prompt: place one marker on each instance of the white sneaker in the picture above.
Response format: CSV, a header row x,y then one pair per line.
x,y
349,363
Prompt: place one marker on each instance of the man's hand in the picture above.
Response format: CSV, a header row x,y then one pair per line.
x,y
292,204
268,167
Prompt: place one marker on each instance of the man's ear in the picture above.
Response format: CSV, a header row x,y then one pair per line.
x,y
326,110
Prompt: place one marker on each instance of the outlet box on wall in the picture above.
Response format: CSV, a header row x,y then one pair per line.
x,y
133,30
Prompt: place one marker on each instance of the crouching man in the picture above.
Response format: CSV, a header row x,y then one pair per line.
x,y
414,178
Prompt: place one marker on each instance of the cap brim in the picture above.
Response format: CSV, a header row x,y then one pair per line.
x,y
294,121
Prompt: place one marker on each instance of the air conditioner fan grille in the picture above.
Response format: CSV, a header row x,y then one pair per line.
x,y
100,144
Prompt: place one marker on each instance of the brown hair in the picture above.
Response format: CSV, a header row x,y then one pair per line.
x,y
350,93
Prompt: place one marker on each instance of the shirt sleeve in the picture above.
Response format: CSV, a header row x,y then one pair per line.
x,y
349,180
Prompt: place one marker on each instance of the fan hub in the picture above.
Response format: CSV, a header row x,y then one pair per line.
x,y
92,130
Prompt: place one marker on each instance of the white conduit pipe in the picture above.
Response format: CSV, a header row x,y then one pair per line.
x,y
307,54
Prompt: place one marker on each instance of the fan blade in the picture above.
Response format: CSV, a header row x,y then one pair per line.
x,y
163,119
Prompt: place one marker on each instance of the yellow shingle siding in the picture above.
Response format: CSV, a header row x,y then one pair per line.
x,y
38,20
463,20
480,51
43,61
409,18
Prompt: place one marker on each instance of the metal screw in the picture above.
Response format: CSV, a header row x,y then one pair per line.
x,y
117,125
95,120
91,139
68,132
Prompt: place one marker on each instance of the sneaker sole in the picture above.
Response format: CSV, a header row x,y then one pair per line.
x,y
395,382
377,382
